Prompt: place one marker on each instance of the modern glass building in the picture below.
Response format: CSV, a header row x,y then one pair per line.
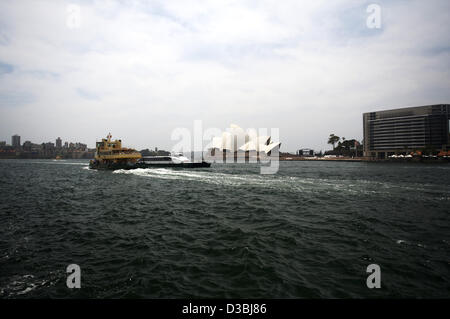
x,y
15,141
407,129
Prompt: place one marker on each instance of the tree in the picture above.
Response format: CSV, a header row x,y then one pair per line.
x,y
333,139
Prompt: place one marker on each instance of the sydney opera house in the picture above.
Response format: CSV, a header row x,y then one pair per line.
x,y
236,143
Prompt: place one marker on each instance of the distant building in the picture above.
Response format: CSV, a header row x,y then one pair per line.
x,y
44,150
2,143
305,152
15,141
48,145
237,141
27,146
406,130
80,147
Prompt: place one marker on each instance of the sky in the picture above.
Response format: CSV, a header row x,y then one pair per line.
x,y
141,69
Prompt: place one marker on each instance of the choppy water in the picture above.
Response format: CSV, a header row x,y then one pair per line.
x,y
227,231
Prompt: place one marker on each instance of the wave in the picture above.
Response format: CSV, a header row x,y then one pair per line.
x,y
59,162
21,285
201,176
282,182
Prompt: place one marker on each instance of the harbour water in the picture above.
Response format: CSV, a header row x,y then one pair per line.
x,y
309,231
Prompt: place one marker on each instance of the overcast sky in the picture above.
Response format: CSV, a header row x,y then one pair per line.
x,y
140,69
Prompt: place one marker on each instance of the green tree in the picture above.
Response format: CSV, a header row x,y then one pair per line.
x,y
333,139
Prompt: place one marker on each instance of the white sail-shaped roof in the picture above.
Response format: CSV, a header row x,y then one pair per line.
x,y
217,142
236,139
227,141
272,146
262,140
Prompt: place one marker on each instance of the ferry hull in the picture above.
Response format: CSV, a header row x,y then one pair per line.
x,y
115,166
165,165
110,166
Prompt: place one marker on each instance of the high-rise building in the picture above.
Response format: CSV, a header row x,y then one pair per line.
x,y
406,129
58,142
15,140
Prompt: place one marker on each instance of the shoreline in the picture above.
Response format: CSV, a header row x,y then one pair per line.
x,y
294,158
429,160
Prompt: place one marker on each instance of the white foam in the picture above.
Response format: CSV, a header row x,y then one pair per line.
x,y
23,285
276,181
58,162
201,176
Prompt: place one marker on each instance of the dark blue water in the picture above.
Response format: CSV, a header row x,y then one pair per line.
x,y
227,231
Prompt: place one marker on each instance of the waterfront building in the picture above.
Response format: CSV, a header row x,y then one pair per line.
x,y
80,147
26,147
238,142
305,152
44,150
406,130
15,141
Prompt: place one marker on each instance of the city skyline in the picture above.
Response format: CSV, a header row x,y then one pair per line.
x,y
58,140
64,143
22,140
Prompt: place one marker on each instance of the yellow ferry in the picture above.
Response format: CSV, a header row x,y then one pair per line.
x,y
110,154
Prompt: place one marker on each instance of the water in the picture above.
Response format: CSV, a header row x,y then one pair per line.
x,y
309,231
